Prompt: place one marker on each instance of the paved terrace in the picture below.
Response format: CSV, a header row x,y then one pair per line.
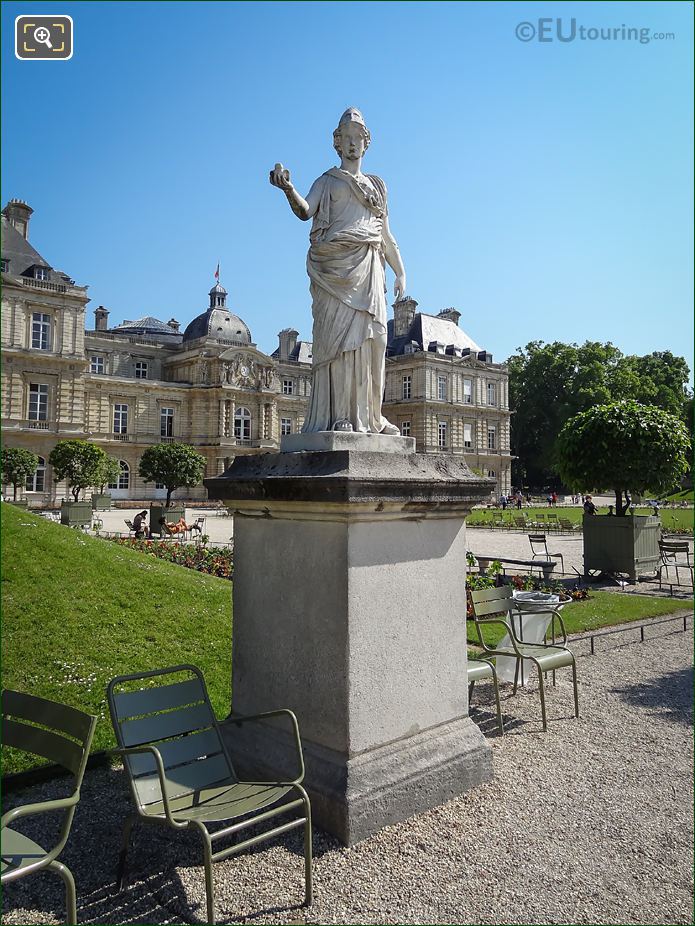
x,y
591,822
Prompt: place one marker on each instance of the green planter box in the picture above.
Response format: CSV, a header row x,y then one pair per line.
x,y
101,502
76,514
171,514
628,545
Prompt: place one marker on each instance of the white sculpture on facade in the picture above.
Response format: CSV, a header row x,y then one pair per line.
x,y
349,242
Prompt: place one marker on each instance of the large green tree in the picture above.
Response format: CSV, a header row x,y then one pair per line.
x,y
550,383
173,465
77,461
624,447
18,465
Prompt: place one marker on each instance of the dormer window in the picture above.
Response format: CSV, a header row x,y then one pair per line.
x,y
5,265
41,273
141,369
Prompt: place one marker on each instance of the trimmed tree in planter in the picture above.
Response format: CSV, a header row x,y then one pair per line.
x,y
626,448
18,465
109,473
78,462
173,465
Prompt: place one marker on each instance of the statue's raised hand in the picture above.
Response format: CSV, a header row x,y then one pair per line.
x,y
280,177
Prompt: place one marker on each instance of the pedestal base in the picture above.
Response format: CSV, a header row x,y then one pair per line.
x,y
352,798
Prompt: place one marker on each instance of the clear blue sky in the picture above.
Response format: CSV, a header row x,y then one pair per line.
x,y
544,189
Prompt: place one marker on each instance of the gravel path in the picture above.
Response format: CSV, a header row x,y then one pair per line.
x,y
589,823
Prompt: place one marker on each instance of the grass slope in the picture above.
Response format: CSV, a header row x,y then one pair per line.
x,y
77,611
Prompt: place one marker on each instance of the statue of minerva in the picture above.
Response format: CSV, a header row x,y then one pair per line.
x,y
350,242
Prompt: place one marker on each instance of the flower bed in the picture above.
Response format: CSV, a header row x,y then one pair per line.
x,y
218,562
521,583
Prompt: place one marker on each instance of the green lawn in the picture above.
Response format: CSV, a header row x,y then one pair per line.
x,y
672,519
602,609
78,611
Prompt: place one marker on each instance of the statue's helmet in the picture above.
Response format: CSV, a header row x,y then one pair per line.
x,y
351,116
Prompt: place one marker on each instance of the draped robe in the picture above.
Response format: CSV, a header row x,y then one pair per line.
x,y
345,264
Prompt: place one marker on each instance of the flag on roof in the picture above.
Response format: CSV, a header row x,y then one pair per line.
x,y
217,272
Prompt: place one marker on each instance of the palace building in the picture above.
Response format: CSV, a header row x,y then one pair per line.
x,y
146,381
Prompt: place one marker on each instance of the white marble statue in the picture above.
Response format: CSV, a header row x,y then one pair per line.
x,y
349,242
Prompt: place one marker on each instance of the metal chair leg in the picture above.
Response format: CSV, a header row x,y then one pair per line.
x,y
541,688
209,883
308,876
516,676
70,892
125,841
470,693
497,699
576,691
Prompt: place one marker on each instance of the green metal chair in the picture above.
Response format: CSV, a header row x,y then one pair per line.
x,y
539,550
479,669
181,773
64,737
488,602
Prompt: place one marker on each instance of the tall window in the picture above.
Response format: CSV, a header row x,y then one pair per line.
x,y
285,425
141,368
468,391
441,388
120,419
407,387
492,474
37,482
38,402
405,428
123,479
491,394
491,437
166,422
442,435
467,436
288,387
96,365
40,331
242,424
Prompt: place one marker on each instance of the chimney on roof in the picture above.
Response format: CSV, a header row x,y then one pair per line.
x,y
101,318
173,324
18,214
450,315
288,342
403,315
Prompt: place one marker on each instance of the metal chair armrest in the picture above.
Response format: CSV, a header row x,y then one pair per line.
x,y
238,719
507,627
134,750
29,810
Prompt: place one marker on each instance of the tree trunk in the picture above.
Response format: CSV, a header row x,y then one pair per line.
x,y
167,504
76,493
14,485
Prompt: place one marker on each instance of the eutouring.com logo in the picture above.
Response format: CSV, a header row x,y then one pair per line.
x,y
548,29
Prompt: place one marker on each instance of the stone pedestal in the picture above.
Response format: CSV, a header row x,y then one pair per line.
x,y
349,608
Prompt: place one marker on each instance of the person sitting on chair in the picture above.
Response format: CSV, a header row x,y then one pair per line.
x,y
139,525
178,527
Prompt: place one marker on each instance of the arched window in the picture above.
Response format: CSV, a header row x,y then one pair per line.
x,y
492,474
123,479
37,482
242,424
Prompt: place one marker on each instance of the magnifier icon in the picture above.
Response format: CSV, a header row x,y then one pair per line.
x,y
43,36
